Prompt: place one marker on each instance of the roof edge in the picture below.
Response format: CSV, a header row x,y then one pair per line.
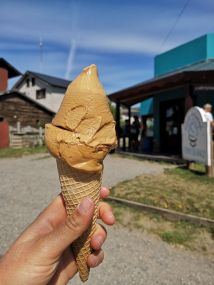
x,y
11,92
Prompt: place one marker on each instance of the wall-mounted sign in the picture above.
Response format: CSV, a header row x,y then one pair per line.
x,y
196,137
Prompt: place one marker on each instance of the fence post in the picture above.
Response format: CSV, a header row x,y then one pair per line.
x,y
210,168
40,136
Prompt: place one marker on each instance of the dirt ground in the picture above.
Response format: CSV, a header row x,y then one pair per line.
x,y
28,184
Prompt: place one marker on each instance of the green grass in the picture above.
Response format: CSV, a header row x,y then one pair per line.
x,y
174,237
185,190
181,234
194,237
18,152
179,189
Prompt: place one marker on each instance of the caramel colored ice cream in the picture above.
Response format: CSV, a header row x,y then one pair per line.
x,y
83,130
80,136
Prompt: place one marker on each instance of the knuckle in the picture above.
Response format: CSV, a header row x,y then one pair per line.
x,y
74,223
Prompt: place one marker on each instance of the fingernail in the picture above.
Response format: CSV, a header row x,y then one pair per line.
x,y
85,205
96,263
111,215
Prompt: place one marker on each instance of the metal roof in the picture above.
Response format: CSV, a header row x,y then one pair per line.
x,y
12,71
200,66
52,80
199,73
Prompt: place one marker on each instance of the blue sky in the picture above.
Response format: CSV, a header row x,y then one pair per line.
x,y
120,36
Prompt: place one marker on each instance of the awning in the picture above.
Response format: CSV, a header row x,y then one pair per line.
x,y
201,74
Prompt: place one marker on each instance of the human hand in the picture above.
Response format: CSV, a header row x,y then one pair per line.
x,y
42,254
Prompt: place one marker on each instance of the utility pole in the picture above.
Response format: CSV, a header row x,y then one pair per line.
x,y
40,54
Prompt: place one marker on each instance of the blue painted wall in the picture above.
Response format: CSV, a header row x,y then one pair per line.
x,y
210,46
146,107
189,53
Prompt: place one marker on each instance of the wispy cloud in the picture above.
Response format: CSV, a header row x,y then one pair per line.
x,y
71,57
73,44
141,33
121,35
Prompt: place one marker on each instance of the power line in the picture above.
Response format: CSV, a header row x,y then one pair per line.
x,y
174,24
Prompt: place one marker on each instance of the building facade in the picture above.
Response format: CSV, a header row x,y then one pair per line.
x,y
18,109
22,118
171,105
183,77
44,89
7,71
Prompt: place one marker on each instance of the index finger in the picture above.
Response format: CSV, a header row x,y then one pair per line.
x,y
104,192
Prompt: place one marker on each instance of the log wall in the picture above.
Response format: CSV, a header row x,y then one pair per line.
x,y
15,109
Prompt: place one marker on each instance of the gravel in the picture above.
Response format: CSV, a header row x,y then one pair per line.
x,y
28,184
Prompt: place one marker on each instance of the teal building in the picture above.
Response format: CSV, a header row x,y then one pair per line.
x,y
183,77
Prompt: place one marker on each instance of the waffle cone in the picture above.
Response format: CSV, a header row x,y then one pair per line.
x,y
76,185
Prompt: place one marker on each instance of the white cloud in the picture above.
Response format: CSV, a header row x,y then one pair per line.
x,y
137,29
71,58
129,28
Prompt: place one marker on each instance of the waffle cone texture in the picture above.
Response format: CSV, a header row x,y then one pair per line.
x,y
75,186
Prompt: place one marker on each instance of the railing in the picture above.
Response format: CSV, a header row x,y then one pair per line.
x,y
26,137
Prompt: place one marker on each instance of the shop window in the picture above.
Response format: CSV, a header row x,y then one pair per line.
x,y
33,81
41,94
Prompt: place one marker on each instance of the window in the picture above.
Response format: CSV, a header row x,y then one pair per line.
x,y
41,93
28,82
33,81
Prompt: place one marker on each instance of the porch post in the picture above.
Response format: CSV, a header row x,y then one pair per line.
x,y
118,129
189,100
129,115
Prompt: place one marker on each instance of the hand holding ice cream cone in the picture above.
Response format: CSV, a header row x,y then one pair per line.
x,y
80,136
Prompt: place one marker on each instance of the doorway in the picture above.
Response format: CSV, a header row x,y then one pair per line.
x,y
4,133
171,119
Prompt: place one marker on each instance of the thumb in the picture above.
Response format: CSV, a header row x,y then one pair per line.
x,y
58,240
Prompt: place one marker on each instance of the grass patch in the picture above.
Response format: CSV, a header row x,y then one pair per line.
x,y
179,189
184,190
19,152
181,234
184,234
174,237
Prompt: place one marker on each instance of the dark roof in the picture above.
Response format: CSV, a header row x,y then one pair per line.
x,y
199,73
12,71
51,80
26,98
200,66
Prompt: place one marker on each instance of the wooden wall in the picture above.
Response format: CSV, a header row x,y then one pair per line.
x,y
3,79
15,108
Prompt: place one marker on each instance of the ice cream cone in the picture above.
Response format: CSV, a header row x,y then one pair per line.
x,y
76,185
79,137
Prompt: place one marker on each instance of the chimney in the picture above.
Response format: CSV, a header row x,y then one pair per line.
x,y
3,79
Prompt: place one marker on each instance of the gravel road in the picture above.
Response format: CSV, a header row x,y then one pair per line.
x,y
28,184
